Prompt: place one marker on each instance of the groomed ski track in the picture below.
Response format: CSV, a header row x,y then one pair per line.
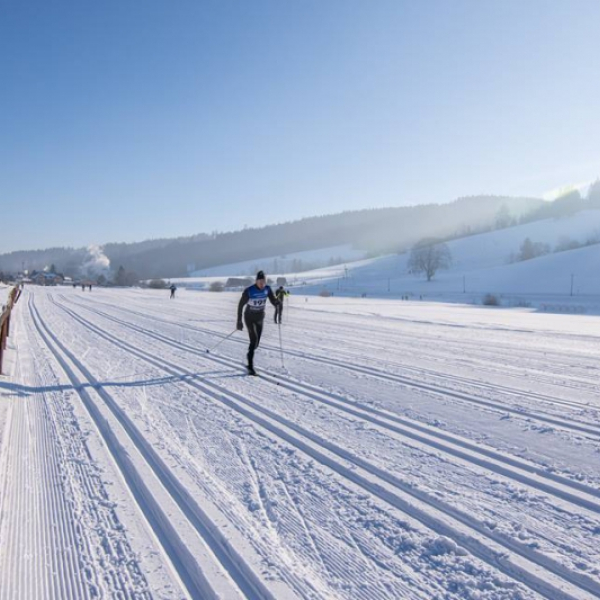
x,y
354,471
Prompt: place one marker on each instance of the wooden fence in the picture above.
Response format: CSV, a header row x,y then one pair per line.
x,y
13,296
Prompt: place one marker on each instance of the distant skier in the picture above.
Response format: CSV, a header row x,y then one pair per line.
x,y
255,300
173,290
280,294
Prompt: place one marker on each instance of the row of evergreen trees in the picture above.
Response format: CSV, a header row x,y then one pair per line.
x,y
567,204
374,231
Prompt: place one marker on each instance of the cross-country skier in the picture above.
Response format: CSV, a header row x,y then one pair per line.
x,y
255,300
280,294
173,289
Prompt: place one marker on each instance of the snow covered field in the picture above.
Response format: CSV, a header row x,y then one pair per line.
x,y
390,449
559,282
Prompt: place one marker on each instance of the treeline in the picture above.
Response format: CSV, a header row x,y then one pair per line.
x,y
567,204
70,260
374,231
119,252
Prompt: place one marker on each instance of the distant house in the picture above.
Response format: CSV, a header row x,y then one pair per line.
x,y
238,282
47,279
281,281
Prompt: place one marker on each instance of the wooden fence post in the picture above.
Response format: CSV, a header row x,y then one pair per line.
x,y
5,321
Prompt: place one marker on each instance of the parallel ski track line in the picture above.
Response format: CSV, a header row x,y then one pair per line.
x,y
42,530
570,424
512,391
505,389
500,350
591,383
448,376
476,384
181,559
515,468
368,322
520,562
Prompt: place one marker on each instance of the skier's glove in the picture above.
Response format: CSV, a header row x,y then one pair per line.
x,y
240,326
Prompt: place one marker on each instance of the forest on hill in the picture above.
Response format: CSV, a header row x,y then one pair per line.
x,y
374,231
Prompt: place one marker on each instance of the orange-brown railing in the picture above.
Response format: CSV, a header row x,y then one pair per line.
x,y
13,296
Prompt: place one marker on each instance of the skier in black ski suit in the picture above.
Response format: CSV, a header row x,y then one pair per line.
x,y
280,294
255,299
173,289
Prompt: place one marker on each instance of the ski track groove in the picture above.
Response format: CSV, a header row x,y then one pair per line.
x,y
569,424
407,427
432,342
489,358
305,528
290,565
79,496
197,585
214,490
40,464
404,587
248,461
419,371
264,418
501,349
581,427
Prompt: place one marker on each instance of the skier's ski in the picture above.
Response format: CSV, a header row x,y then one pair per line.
x,y
269,376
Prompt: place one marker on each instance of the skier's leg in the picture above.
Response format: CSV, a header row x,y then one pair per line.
x,y
258,329
250,326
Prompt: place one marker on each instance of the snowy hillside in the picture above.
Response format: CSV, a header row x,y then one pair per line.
x,y
480,266
385,452
285,263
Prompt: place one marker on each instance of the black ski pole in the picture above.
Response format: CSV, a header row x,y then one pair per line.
x,y
281,346
209,350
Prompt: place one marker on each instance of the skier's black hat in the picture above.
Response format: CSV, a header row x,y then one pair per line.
x,y
260,275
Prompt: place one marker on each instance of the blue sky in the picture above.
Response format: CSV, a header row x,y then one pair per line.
x,y
124,120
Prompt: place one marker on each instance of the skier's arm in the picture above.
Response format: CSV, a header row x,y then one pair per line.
x,y
272,298
243,301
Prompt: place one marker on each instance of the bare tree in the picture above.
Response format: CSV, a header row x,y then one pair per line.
x,y
428,256
531,250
